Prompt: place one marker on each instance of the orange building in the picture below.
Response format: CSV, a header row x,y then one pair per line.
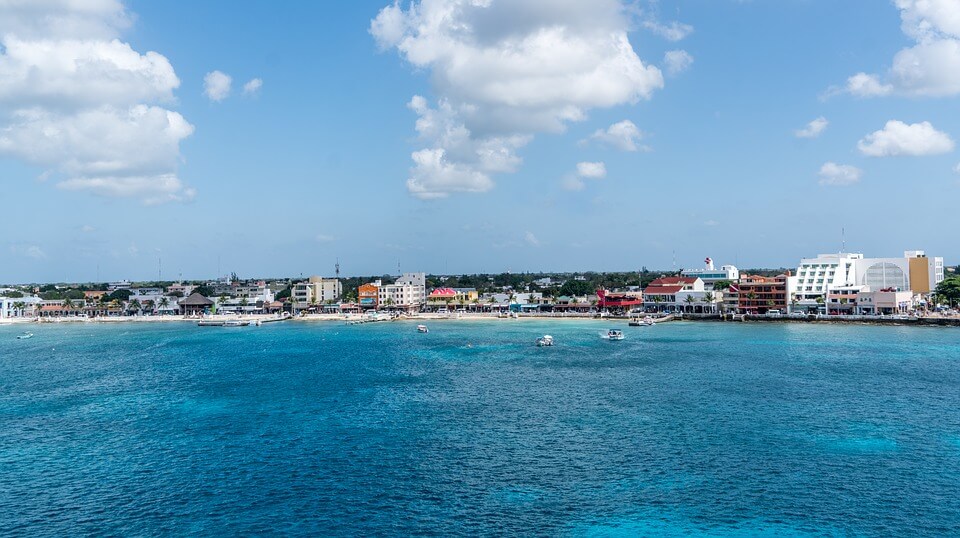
x,y
759,294
367,295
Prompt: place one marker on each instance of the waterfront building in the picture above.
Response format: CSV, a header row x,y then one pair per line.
x,y
886,302
816,275
408,292
710,275
195,304
368,295
621,301
452,297
19,307
913,272
759,294
316,290
661,294
844,300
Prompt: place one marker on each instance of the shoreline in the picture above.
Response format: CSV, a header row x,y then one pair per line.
x,y
420,317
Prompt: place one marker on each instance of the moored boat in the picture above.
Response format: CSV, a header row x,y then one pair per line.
x,y
422,329
545,341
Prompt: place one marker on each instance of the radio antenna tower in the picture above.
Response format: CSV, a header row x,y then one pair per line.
x,y
337,266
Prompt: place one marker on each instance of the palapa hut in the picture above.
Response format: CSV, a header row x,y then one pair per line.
x,y
195,304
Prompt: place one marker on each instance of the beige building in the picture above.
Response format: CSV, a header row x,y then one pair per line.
x,y
316,291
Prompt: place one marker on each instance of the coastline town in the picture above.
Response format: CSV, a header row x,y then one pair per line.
x,y
828,286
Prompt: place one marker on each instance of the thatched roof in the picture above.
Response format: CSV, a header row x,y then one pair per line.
x,y
196,300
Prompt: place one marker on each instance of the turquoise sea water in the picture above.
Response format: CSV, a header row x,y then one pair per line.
x,y
324,429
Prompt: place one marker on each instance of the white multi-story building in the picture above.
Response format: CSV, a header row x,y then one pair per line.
x,y
815,276
21,307
915,272
316,290
710,275
409,291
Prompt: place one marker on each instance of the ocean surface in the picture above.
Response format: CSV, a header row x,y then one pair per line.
x,y
684,429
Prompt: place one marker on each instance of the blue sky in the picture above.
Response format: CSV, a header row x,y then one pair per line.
x,y
314,165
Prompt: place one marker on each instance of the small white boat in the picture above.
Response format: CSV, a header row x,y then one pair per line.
x,y
422,329
545,341
644,322
614,334
25,336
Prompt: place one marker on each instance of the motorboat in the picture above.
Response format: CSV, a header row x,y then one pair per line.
x,y
25,336
614,334
642,322
422,329
545,341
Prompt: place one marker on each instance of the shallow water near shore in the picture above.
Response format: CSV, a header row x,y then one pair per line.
x,y
297,428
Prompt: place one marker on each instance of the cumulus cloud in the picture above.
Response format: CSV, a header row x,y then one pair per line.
x,y
324,238
504,72
216,85
624,135
592,170
677,61
930,68
585,170
252,87
839,175
85,106
813,129
898,138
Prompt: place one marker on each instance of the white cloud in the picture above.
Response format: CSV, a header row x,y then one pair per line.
x,y
216,85
79,102
897,138
503,72
677,61
531,239
35,252
864,85
86,228
590,170
585,170
931,68
711,223
63,19
839,175
813,129
624,135
252,87
672,31
324,238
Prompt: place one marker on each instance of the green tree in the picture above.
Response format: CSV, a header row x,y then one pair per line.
x,y
164,303
948,291
135,306
722,285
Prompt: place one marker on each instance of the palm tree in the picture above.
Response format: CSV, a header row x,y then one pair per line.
x,y
19,307
710,298
164,303
690,300
134,306
149,306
